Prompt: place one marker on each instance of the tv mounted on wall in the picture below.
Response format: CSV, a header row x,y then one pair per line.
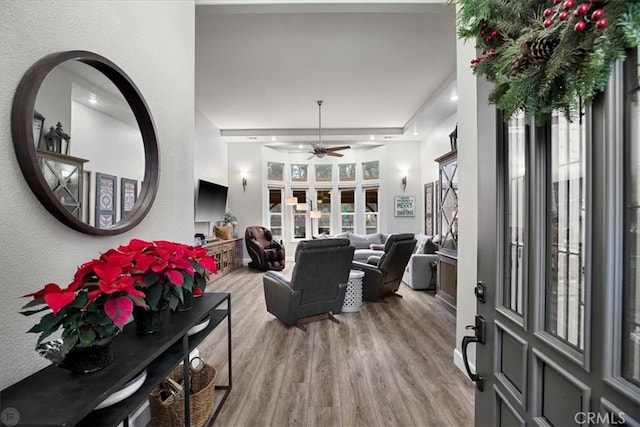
x,y
211,201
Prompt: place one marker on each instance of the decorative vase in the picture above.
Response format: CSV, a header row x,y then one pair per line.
x,y
187,302
150,321
81,359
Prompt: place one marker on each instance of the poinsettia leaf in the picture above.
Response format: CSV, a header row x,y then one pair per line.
x,y
154,293
139,301
30,312
150,278
34,302
209,263
119,310
47,322
178,291
67,344
201,281
175,277
87,337
57,301
173,301
188,281
80,301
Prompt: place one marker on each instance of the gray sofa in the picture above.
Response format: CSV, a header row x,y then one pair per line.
x,y
363,244
419,273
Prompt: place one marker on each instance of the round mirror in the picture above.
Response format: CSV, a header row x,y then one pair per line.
x,y
86,142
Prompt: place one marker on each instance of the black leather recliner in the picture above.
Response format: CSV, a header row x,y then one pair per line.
x,y
318,283
382,276
266,253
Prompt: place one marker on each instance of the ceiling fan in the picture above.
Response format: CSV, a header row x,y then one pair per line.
x,y
318,149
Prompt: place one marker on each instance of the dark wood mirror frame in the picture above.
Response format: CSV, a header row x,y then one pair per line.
x,y
23,138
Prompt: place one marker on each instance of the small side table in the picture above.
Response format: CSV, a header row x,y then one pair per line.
x,y
353,297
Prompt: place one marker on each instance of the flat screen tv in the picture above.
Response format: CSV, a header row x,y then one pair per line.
x,y
211,201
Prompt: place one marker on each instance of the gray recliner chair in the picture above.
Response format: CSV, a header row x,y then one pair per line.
x,y
317,286
382,275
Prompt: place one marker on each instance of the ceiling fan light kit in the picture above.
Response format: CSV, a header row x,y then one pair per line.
x,y
319,150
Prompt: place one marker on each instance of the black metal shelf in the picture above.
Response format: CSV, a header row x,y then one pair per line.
x,y
54,396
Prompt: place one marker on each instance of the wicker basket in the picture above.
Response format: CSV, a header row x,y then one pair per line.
x,y
166,401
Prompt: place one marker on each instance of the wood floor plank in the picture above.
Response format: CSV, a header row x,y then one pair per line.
x,y
387,365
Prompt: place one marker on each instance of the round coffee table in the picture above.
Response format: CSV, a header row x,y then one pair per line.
x,y
353,297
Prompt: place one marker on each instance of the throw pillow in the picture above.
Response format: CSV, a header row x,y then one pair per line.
x,y
376,247
418,248
362,241
224,231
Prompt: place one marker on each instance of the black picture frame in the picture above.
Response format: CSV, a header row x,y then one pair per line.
x,y
128,196
106,190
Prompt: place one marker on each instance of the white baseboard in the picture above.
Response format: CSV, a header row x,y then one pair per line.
x,y
459,362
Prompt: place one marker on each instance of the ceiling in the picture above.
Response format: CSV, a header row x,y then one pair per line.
x,y
385,71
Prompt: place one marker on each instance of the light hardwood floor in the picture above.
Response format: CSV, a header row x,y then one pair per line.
x,y
387,365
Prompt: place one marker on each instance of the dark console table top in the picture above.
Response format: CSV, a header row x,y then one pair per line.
x,y
55,397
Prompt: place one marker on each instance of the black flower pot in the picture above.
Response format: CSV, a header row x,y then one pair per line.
x,y
150,321
83,359
187,302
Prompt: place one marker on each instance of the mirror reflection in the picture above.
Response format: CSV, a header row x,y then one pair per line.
x,y
89,145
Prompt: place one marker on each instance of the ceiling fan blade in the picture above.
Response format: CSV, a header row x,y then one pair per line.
x,y
315,147
343,147
311,157
334,154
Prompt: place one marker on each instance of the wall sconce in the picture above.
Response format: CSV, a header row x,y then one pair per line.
x,y
404,183
244,184
57,140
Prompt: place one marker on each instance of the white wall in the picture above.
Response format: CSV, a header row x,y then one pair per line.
x,y
468,103
139,37
435,145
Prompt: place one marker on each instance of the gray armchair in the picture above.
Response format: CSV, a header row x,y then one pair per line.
x,y
317,286
382,275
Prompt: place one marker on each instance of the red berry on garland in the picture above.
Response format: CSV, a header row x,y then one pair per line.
x,y
492,52
563,15
602,23
580,26
547,23
548,12
484,51
483,25
597,14
568,4
582,10
557,1
494,34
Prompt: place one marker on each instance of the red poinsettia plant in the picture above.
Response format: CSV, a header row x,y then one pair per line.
x,y
100,299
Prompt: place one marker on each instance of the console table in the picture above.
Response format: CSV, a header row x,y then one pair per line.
x,y
56,397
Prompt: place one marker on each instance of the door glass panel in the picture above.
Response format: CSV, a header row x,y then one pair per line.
x,y
275,212
631,304
566,208
347,210
371,210
449,205
324,206
514,215
300,216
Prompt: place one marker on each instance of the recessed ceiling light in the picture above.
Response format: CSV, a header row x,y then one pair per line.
x,y
372,137
273,138
300,146
453,97
92,99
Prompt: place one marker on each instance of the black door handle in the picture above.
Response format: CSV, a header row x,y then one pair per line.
x,y
478,337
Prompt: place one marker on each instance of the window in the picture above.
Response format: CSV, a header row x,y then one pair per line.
x,y
371,210
275,212
347,210
631,254
566,208
514,205
324,206
300,216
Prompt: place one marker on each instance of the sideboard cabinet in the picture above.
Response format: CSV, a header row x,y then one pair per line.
x,y
56,397
227,253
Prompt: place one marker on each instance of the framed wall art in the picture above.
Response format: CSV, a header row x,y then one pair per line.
x,y
347,171
128,196
275,171
105,200
405,205
323,173
428,209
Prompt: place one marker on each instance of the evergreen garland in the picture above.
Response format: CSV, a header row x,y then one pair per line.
x,y
544,55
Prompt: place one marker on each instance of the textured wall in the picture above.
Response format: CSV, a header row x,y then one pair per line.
x,y
153,42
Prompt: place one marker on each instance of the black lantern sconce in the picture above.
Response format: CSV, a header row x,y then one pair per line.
x,y
57,140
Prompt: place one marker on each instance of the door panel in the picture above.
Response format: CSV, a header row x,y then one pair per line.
x,y
559,254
